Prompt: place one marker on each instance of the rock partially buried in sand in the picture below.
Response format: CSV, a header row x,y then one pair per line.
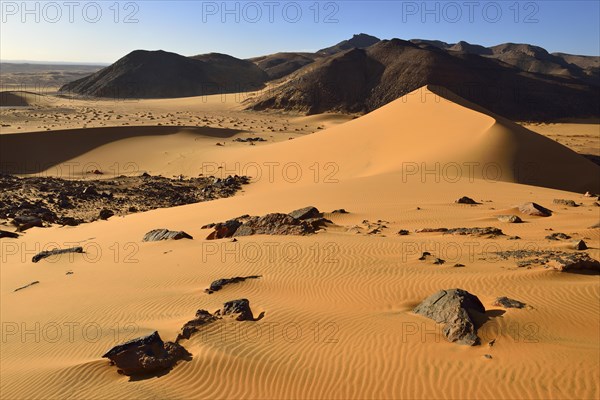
x,y
511,219
8,234
203,318
558,236
487,231
563,202
508,303
454,308
573,262
466,200
305,213
339,211
270,224
219,283
534,209
45,254
165,234
146,355
240,309
26,286
579,245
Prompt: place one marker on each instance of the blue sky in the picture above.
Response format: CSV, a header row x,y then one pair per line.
x,y
104,31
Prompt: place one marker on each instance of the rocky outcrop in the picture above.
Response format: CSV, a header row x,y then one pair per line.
x,y
165,234
299,222
146,355
49,253
454,308
7,234
466,200
238,309
487,231
563,202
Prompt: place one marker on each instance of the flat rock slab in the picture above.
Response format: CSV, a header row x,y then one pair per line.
x,y
146,355
454,308
305,213
165,234
45,254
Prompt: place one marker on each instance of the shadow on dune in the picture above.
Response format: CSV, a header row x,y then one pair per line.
x,y
34,152
158,374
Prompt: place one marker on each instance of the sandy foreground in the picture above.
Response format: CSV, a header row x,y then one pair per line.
x,y
337,304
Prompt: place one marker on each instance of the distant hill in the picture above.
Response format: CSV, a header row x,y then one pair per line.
x,y
360,41
160,74
361,80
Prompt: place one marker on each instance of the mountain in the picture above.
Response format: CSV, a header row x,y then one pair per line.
x,y
359,41
279,65
361,80
160,74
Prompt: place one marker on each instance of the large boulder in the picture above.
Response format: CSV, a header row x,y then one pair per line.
x,y
455,308
165,234
146,355
305,213
534,209
224,229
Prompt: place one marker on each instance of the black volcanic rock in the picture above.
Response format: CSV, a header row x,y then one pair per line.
x,y
160,74
49,253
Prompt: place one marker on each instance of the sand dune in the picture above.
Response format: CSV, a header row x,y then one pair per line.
x,y
338,321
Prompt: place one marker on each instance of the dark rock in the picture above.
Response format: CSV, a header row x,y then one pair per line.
x,y
458,265
403,232
466,200
579,245
424,255
488,356
534,209
305,213
456,309
69,221
219,283
558,236
563,202
7,234
203,317
45,254
276,224
487,231
165,234
511,219
224,229
429,230
24,222
89,191
250,139
339,211
438,261
573,262
105,214
26,286
240,309
146,355
508,303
